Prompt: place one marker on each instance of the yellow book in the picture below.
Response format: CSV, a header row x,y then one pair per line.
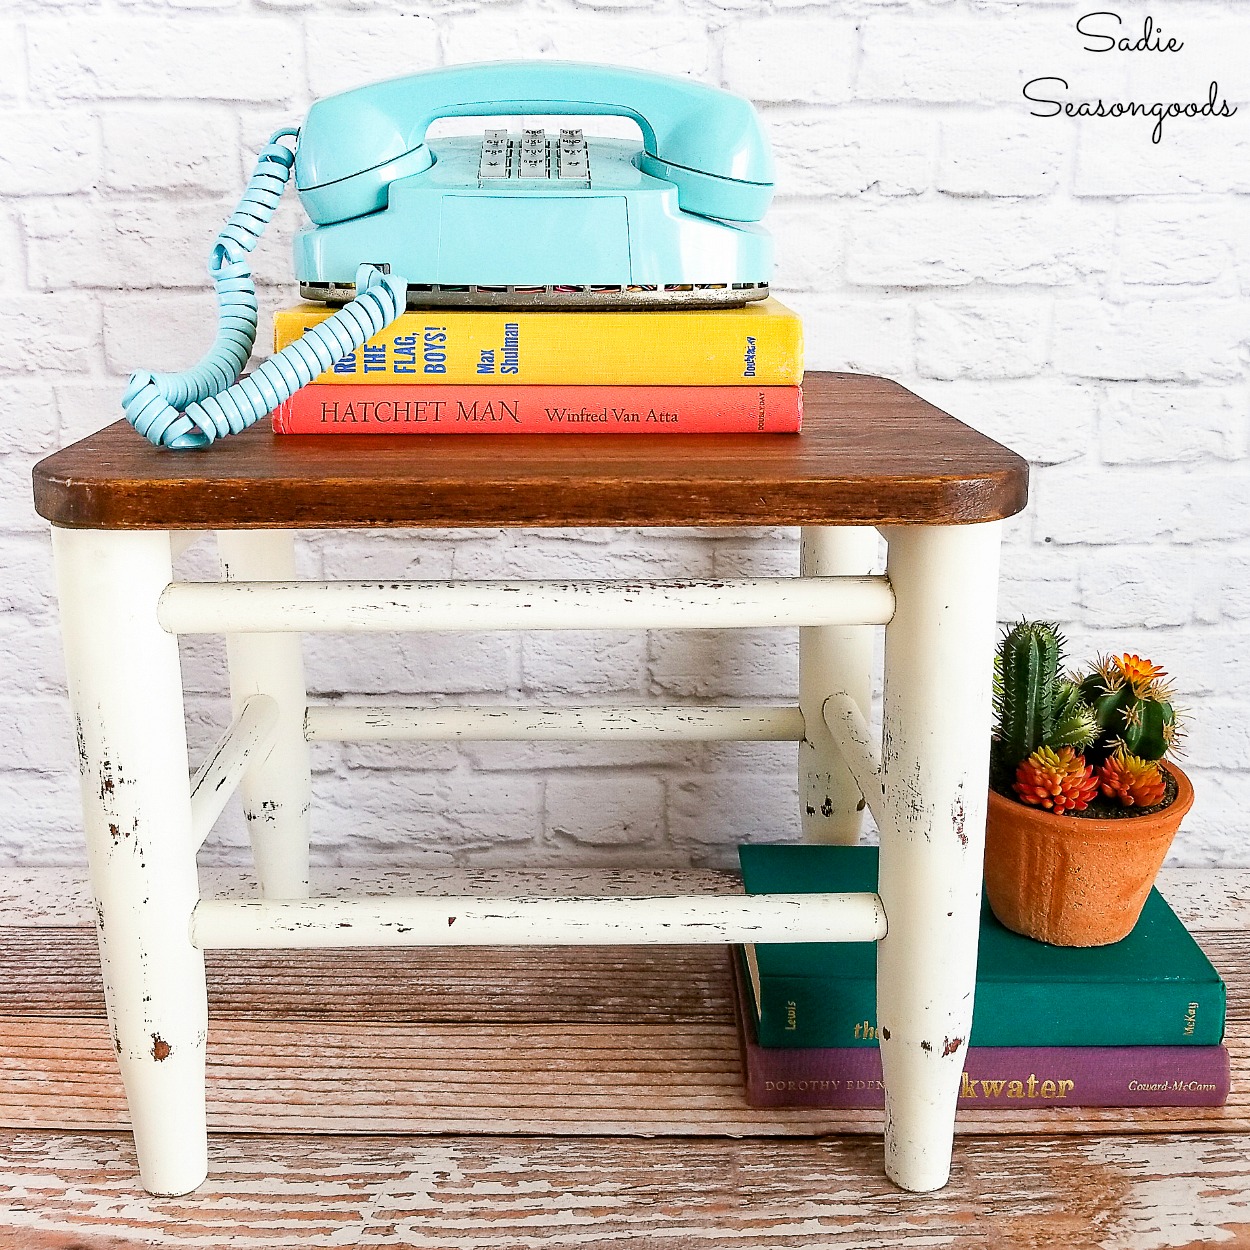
x,y
759,344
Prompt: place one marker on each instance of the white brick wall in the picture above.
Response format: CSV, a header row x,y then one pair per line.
x,y
1067,286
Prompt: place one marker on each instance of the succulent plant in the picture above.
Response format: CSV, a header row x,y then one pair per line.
x,y
1061,741
1132,704
1133,781
1060,781
1075,723
1035,706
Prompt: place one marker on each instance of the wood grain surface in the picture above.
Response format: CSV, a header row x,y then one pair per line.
x,y
70,1191
570,1041
870,453
575,1097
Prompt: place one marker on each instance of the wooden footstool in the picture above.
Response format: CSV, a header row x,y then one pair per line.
x,y
873,458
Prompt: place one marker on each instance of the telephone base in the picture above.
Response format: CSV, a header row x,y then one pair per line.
x,y
690,295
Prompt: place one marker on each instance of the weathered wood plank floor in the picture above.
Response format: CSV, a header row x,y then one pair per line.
x,y
466,1193
558,1097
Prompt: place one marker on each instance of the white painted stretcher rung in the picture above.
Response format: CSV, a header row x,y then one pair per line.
x,y
125,684
321,607
248,739
854,742
332,722
309,923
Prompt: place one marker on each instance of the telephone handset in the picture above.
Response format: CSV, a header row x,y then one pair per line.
x,y
706,142
405,220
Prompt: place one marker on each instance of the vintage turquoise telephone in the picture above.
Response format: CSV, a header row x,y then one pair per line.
x,y
504,220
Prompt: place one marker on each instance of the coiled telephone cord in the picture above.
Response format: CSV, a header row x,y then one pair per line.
x,y
206,402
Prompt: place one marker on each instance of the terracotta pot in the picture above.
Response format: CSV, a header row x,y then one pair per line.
x,y
1075,882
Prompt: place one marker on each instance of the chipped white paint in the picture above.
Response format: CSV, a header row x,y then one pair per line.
x,y
250,736
276,789
933,768
851,737
335,722
613,921
935,763
1174,1196
308,607
1208,900
483,1190
125,689
832,657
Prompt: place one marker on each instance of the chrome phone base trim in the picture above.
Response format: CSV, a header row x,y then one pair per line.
x,y
688,295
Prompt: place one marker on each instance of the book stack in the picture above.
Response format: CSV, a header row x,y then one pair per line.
x,y
475,370
1137,1023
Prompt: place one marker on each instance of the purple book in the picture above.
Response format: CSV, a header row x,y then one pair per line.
x,y
1015,1077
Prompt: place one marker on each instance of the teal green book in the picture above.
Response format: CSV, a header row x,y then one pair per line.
x,y
1154,988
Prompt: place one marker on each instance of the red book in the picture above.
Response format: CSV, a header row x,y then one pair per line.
x,y
415,409
1013,1078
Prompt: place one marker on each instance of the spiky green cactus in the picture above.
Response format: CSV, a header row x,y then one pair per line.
x,y
1028,676
1122,710
1034,705
1132,705
1075,723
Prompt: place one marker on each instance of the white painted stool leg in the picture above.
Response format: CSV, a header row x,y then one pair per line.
x,y
935,760
125,688
277,788
832,658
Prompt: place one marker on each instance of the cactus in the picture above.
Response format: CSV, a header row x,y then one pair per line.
x,y
1034,705
1029,655
1134,781
1132,704
1062,741
1075,725
1060,781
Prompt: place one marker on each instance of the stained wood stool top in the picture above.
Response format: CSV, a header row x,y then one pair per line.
x,y
870,453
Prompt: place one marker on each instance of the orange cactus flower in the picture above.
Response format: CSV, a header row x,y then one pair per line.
x,y
1059,781
1139,673
1135,782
